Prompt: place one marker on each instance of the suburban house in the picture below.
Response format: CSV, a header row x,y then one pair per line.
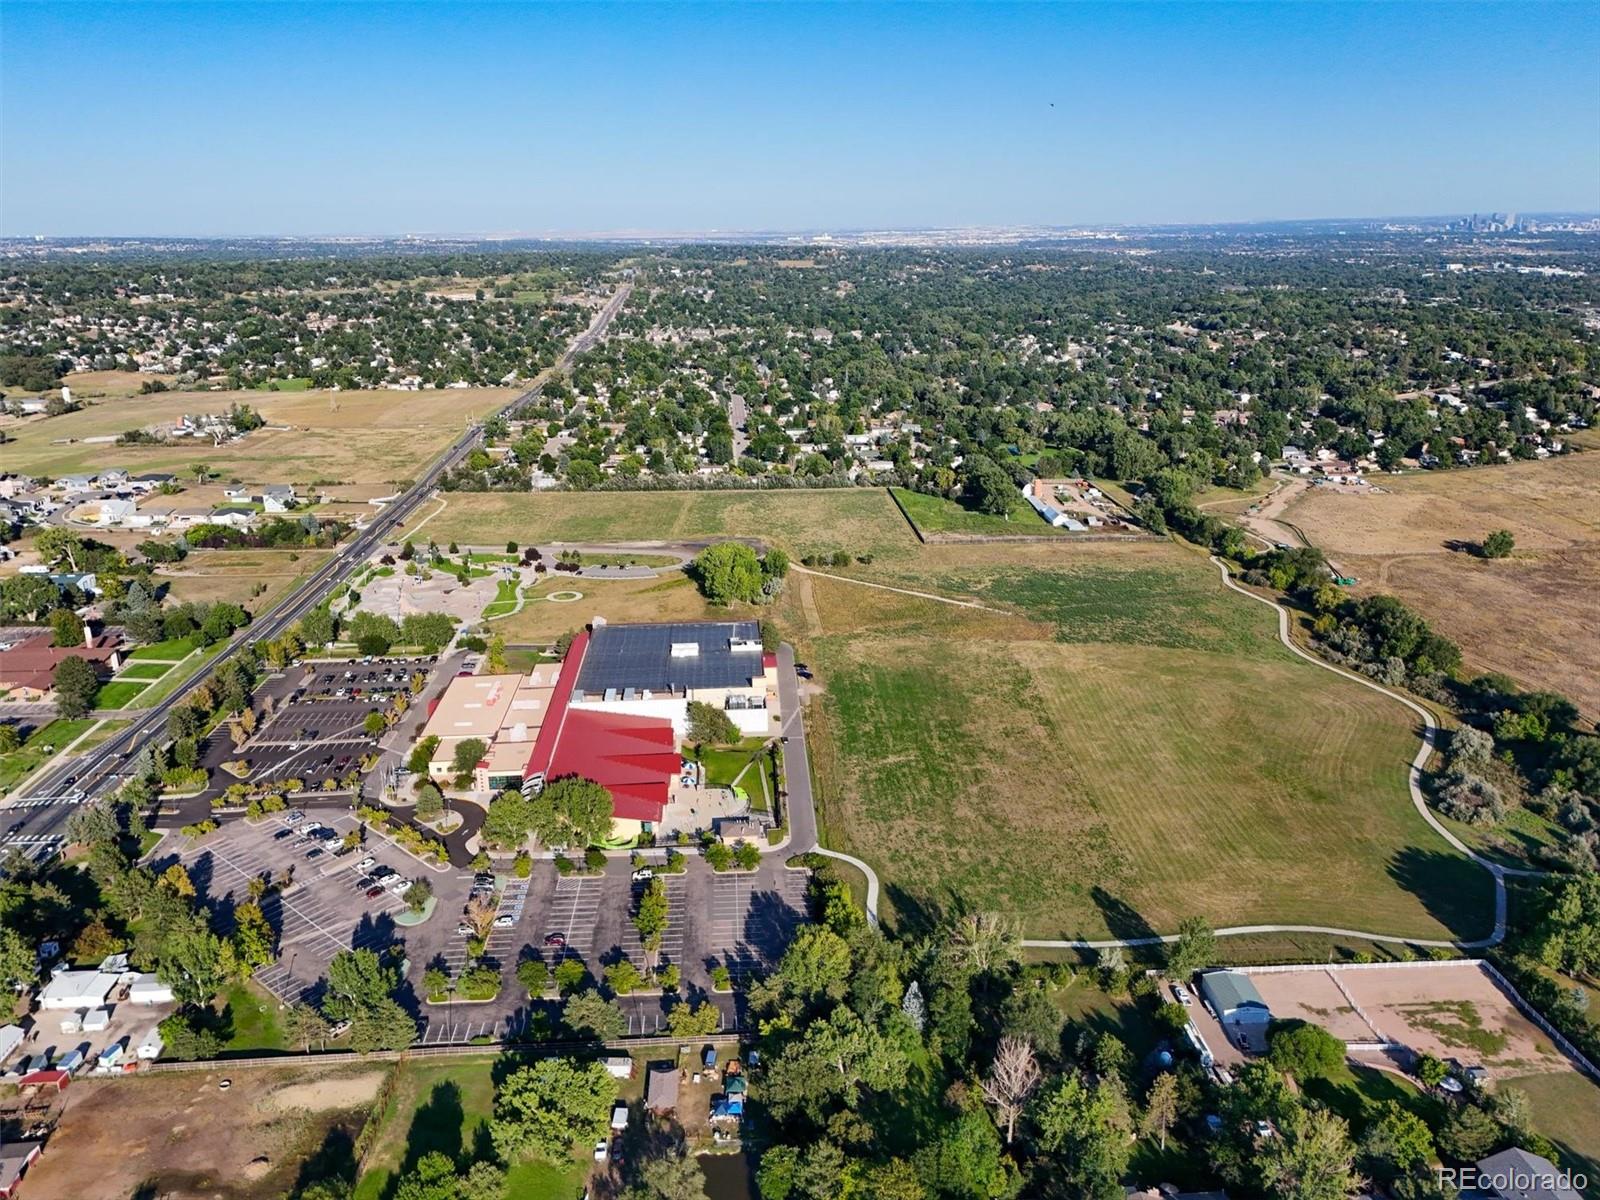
x,y
77,483
1238,1007
1515,1174
655,670
28,667
149,482
278,497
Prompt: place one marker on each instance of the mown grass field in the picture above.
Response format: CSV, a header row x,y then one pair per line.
x,y
935,515
1131,748
41,745
1566,1109
233,576
119,694
858,521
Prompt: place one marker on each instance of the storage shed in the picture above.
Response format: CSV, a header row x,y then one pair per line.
x,y
1237,1005
10,1038
151,1047
148,989
619,1065
661,1090
96,1019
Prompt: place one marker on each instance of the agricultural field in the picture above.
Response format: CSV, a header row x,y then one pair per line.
x,y
858,521
1115,743
357,444
1530,615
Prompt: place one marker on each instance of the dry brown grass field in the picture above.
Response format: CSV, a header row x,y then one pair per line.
x,y
367,441
672,597
232,575
1530,615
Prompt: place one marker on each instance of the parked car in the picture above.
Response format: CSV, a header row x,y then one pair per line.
x,y
364,883
367,863
281,834
463,930
314,852
643,875
1181,994
555,939
601,1148
374,892
504,921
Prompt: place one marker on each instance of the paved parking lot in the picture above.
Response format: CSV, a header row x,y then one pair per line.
x,y
320,914
753,916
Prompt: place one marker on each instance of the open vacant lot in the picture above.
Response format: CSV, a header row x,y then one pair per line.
x,y
178,1135
858,521
360,443
209,576
1530,615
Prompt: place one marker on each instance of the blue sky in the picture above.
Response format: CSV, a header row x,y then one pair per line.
x,y
549,118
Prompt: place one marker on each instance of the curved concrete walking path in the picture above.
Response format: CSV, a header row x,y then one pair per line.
x,y
1429,742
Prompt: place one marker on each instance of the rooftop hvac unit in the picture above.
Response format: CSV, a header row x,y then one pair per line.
x,y
744,646
685,649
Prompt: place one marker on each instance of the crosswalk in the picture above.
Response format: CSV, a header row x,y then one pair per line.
x,y
35,846
76,796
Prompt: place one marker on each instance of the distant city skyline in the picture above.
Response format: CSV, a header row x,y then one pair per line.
x,y
556,120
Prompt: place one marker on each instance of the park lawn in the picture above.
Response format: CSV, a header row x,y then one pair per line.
x,y
1134,747
102,733
147,671
119,693
254,1016
505,600
446,1106
1566,1109
935,515
724,765
171,681
855,520
168,652
42,745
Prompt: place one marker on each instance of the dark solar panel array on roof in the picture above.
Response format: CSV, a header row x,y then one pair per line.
x,y
640,657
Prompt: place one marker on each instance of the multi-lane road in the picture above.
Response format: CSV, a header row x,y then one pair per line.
x,y
36,821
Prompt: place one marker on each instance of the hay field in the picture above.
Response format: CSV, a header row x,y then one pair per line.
x,y
1530,615
1131,748
857,521
367,443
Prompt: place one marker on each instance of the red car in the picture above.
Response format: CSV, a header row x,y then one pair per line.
x,y
374,893
555,939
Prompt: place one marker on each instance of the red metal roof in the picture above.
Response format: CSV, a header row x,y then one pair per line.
x,y
633,758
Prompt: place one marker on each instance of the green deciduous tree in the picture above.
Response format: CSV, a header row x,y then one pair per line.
x,y
75,686
540,1110
728,571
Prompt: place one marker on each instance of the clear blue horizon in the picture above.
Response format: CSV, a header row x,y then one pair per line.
x,y
558,119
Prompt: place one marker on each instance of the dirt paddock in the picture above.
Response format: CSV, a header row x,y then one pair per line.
x,y
180,1135
1449,1010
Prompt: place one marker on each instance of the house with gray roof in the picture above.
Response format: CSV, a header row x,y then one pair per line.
x,y
1517,1174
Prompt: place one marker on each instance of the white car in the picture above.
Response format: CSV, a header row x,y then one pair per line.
x,y
504,921
367,863
643,875
601,1149
398,884
1181,994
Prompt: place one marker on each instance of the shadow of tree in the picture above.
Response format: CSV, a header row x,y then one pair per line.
x,y
1121,918
1454,890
